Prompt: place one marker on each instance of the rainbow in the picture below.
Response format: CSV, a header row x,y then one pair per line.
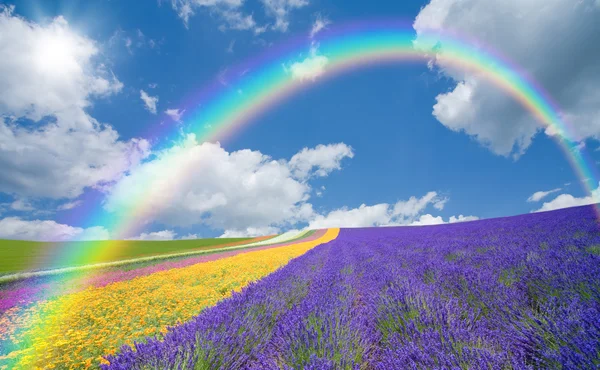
x,y
219,110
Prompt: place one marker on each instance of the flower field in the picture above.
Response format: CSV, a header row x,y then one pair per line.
x,y
75,330
509,293
16,255
27,291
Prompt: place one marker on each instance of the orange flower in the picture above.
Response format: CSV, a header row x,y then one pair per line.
x,y
97,321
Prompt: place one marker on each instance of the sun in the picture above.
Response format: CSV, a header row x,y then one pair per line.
x,y
60,52
55,54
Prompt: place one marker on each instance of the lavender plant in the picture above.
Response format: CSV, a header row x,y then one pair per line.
x,y
509,293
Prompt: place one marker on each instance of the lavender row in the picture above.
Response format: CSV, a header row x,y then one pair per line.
x,y
520,292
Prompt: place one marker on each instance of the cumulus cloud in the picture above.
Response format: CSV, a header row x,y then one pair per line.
x,y
280,10
568,200
47,230
49,145
250,232
232,16
229,13
70,205
22,205
320,24
156,235
554,41
190,236
196,183
230,47
149,101
428,219
57,162
132,40
461,218
375,215
319,161
175,114
236,20
49,70
164,235
320,191
403,212
539,195
310,67
413,206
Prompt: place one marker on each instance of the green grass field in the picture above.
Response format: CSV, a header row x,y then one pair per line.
x,y
21,256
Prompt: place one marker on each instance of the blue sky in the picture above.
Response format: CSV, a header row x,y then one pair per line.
x,y
373,135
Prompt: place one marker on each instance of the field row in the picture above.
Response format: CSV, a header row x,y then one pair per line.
x,y
75,330
518,293
26,288
21,256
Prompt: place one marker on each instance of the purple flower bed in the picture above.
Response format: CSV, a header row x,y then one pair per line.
x,y
19,296
520,292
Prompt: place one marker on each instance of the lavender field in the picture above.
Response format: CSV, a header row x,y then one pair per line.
x,y
510,293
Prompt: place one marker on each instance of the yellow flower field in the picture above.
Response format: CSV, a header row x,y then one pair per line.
x,y
76,330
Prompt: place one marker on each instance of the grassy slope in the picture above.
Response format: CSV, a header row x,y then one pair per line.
x,y
20,255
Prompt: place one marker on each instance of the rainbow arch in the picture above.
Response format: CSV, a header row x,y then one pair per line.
x,y
218,111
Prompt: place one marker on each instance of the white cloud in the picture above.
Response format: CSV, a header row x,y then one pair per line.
x,y
414,206
258,30
164,235
236,20
428,219
49,70
128,44
132,40
320,24
57,162
250,232
362,216
232,16
519,29
404,212
144,41
439,205
22,205
47,230
320,191
228,11
175,114
149,101
310,67
184,9
52,74
461,218
156,235
567,200
319,161
70,205
539,195
204,184
230,47
280,9
190,236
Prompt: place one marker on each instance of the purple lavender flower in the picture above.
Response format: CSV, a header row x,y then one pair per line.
x,y
517,292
